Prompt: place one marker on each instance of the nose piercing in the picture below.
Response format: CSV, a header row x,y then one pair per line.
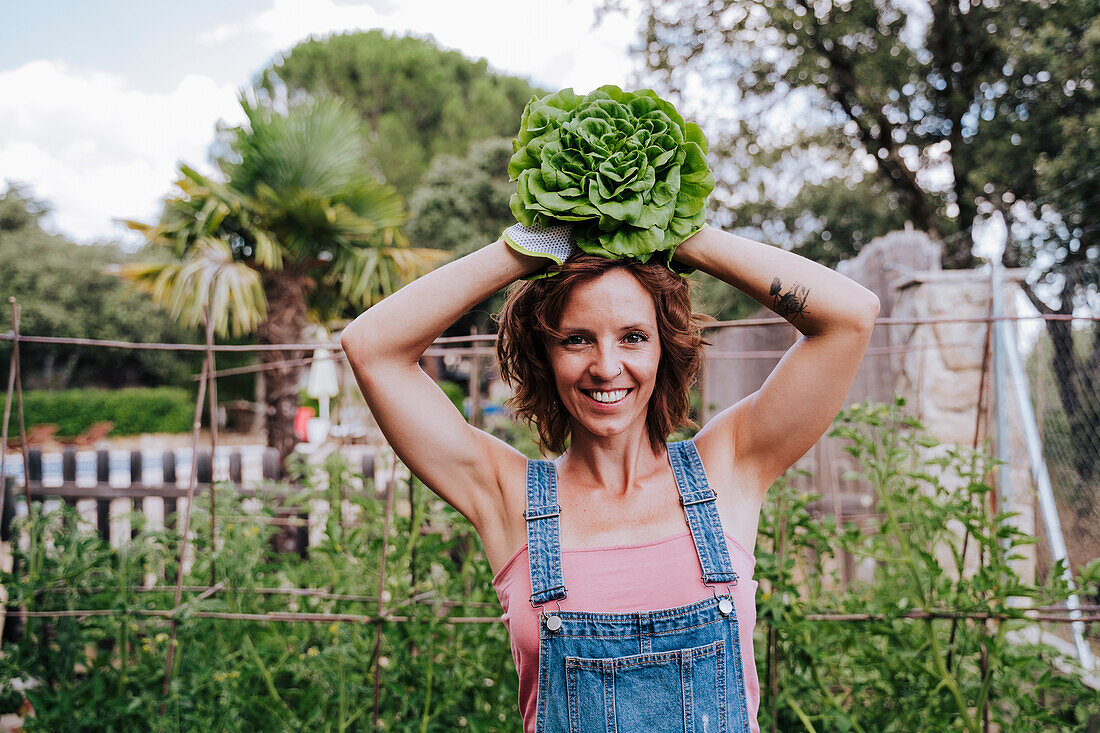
x,y
620,370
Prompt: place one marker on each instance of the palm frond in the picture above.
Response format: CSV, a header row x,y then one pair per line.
x,y
208,278
366,275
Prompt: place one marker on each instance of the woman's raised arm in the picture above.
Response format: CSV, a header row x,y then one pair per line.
x,y
384,345
773,427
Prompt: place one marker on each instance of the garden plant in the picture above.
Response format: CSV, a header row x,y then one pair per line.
x,y
928,641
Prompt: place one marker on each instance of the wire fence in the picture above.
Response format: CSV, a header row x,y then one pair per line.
x,y
942,364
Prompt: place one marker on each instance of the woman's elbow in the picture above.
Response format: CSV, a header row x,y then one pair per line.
x,y
356,339
874,305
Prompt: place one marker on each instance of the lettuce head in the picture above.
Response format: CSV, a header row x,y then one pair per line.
x,y
622,167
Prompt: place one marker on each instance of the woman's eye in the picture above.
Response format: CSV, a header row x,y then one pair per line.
x,y
636,338
573,340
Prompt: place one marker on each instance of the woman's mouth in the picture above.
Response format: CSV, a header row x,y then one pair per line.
x,y
607,397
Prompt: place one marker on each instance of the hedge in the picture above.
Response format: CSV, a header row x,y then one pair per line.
x,y
133,410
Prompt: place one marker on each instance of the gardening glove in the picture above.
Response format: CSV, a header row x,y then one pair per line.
x,y
554,243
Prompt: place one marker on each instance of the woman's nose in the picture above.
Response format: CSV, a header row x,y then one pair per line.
x,y
606,365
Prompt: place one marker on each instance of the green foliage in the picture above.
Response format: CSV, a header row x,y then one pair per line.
x,y
415,100
623,167
106,673
813,98
133,411
296,201
462,203
454,393
64,290
893,672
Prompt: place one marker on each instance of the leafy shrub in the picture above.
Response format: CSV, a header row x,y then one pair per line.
x,y
106,673
133,410
900,665
890,672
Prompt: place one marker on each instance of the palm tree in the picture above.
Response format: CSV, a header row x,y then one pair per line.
x,y
295,233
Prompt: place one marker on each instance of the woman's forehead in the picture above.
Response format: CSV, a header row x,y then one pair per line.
x,y
614,298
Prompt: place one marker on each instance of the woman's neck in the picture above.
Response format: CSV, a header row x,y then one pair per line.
x,y
615,464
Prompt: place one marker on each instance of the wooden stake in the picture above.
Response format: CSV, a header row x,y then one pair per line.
x,y
196,428
390,490
213,395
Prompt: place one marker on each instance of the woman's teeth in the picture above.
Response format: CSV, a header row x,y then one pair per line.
x,y
609,397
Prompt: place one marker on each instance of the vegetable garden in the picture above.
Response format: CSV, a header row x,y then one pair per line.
x,y
391,623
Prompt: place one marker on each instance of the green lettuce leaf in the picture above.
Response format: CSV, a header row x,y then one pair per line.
x,y
622,166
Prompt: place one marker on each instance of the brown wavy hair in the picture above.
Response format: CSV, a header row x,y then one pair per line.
x,y
532,314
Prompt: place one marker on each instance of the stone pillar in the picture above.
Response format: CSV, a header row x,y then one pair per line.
x,y
937,367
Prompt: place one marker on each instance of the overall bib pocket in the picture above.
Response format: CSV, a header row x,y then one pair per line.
x,y
678,691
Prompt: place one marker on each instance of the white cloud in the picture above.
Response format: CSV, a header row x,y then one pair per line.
x,y
553,43
99,149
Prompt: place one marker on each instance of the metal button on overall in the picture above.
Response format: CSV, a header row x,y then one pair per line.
x,y
671,670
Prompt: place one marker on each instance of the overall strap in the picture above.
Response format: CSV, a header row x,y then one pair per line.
x,y
697,498
544,533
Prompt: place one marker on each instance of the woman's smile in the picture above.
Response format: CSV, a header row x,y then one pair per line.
x,y
610,397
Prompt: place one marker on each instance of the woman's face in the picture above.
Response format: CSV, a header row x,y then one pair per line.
x,y
605,364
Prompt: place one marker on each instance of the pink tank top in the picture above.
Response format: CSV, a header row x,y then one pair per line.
x,y
644,577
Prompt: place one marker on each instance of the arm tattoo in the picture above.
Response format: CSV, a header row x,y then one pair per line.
x,y
791,303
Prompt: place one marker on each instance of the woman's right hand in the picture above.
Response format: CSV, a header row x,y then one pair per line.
x,y
479,475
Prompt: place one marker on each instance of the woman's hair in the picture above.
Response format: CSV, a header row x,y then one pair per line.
x,y
531,317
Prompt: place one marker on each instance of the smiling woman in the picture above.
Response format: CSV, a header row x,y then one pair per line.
x,y
624,565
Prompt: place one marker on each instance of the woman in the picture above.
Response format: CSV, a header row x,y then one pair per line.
x,y
624,566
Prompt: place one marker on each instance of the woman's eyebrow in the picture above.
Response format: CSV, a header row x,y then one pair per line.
x,y
587,331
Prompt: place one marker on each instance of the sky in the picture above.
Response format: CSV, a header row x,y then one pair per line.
x,y
99,101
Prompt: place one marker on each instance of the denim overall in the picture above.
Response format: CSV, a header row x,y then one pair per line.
x,y
677,669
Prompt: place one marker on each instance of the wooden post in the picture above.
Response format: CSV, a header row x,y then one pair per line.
x,y
704,389
475,383
205,468
235,469
15,380
212,401
272,468
11,627
390,491
68,471
185,530
137,481
34,464
168,478
103,506
7,512
368,470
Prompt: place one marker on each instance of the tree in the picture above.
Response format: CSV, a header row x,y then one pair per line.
x,y
415,100
952,109
296,231
462,202
64,291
